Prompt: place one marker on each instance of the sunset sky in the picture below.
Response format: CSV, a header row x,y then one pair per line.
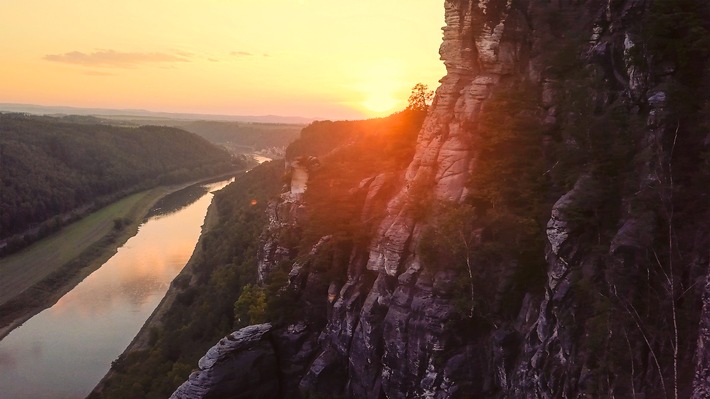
x,y
338,59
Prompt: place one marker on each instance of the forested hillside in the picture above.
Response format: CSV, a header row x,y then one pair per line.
x,y
242,137
50,166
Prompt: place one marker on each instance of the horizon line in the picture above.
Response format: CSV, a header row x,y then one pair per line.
x,y
63,109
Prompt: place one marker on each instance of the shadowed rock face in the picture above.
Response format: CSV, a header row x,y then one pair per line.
x,y
701,383
390,328
242,365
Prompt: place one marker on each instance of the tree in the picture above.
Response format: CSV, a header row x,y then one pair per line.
x,y
452,235
250,308
421,97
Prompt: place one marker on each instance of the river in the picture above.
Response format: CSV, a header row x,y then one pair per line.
x,y
63,352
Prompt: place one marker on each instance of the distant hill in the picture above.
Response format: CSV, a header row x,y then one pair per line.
x,y
151,117
240,137
239,134
49,166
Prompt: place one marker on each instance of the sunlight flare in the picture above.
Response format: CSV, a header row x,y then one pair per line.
x,y
380,103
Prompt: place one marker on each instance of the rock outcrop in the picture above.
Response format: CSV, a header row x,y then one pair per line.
x,y
284,216
242,365
614,314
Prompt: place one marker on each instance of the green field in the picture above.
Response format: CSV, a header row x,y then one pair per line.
x,y
28,267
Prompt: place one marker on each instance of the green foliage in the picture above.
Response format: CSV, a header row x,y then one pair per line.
x,y
242,137
120,223
282,301
500,226
600,142
678,31
321,137
250,308
509,186
420,195
333,257
449,242
49,166
452,231
365,149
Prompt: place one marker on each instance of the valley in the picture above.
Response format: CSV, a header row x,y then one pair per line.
x,y
536,227
101,314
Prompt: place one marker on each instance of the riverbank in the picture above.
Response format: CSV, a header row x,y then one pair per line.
x,y
38,276
142,340
198,308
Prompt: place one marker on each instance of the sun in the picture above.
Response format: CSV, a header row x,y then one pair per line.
x,y
378,86
380,103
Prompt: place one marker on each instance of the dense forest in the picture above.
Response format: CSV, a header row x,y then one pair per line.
x,y
242,137
52,166
237,137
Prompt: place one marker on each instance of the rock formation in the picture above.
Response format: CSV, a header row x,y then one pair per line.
x,y
612,317
242,362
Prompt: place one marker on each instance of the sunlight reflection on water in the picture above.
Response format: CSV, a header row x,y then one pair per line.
x,y
65,350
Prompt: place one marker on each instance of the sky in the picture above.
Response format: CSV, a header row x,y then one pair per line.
x,y
334,59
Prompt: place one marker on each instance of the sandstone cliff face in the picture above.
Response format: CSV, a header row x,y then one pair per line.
x,y
389,330
284,216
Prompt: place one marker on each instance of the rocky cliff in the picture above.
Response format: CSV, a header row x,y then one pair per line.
x,y
548,238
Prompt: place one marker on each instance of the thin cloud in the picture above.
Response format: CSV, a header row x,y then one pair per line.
x,y
248,54
185,54
98,73
241,54
116,59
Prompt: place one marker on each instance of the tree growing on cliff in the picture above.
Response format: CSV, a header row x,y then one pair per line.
x,y
421,98
451,239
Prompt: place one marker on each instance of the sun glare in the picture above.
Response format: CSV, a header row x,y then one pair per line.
x,y
380,103
382,86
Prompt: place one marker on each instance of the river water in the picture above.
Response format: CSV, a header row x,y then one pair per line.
x,y
63,352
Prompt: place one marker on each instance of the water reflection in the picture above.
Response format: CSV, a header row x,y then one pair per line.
x,y
65,350
178,200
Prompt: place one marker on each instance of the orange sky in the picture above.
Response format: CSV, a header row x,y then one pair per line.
x,y
313,58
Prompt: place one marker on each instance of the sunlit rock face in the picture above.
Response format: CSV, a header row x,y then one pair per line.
x,y
399,344
476,57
